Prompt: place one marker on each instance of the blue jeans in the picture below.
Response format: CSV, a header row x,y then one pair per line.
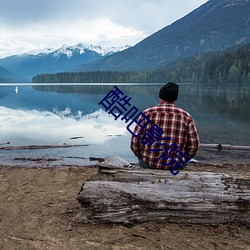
x,y
144,164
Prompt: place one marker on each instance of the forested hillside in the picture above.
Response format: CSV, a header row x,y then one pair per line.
x,y
214,26
229,66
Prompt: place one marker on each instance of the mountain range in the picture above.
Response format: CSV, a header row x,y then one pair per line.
x,y
214,26
7,76
64,59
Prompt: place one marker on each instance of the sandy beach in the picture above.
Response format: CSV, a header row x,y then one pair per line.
x,y
39,210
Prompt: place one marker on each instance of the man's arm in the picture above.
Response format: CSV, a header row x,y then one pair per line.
x,y
136,145
193,140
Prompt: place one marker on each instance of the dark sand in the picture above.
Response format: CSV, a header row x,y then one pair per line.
x,y
38,210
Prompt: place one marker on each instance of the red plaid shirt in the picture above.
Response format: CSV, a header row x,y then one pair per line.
x,y
177,125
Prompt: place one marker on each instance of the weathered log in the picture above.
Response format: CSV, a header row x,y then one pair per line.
x,y
39,159
224,147
29,147
119,195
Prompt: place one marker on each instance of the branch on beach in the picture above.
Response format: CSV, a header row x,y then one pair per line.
x,y
29,147
37,160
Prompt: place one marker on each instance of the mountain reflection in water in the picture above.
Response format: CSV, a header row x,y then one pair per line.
x,y
54,114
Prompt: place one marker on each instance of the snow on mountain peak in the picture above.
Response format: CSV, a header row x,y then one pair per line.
x,y
81,48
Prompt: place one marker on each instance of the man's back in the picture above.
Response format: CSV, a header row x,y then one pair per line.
x,y
179,130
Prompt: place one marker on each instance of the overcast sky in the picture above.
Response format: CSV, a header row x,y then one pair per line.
x,y
27,25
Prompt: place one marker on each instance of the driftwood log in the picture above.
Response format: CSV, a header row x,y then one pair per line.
x,y
119,195
224,147
30,147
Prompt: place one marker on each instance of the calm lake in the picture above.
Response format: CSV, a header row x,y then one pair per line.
x,y
70,114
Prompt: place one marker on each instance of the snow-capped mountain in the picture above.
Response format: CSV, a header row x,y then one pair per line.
x,y
64,59
81,48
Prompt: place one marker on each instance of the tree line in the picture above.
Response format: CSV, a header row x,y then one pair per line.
x,y
231,66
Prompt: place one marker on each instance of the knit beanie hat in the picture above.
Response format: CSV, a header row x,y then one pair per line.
x,y
169,92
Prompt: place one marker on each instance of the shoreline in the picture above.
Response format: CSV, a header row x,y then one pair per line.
x,y
54,157
196,166
39,210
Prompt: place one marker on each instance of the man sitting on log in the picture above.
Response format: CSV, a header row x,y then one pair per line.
x,y
165,136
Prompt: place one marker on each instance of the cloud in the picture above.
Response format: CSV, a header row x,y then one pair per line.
x,y
22,12
38,36
31,24
142,14
33,127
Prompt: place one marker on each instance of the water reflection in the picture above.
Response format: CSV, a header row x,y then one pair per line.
x,y
227,101
224,101
29,127
52,114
